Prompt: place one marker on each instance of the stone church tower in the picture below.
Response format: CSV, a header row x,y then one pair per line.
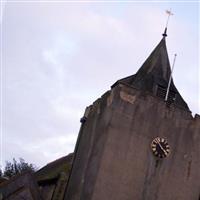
x,y
134,145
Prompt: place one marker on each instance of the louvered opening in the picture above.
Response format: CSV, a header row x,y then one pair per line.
x,y
171,97
161,92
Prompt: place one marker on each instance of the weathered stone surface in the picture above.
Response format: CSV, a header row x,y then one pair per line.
x,y
20,187
3,179
113,157
52,178
23,193
48,183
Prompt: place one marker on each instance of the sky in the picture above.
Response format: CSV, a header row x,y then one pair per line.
x,y
58,57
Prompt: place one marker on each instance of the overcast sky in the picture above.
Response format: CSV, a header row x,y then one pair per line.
x,y
59,57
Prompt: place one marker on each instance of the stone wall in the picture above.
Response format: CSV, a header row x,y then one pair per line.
x,y
114,160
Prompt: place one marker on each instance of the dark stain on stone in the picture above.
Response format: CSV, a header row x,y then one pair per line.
x,y
157,163
189,169
151,173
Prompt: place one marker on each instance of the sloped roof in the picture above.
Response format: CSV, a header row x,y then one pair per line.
x,y
155,70
52,170
51,179
22,186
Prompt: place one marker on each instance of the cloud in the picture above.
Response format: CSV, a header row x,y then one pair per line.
x,y
47,149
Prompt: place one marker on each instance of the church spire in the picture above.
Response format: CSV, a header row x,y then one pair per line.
x,y
154,76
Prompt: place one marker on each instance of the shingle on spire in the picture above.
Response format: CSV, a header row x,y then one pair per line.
x,y
155,72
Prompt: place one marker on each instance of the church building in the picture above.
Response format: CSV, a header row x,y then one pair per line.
x,y
139,141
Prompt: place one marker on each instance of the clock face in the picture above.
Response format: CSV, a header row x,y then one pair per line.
x,y
160,147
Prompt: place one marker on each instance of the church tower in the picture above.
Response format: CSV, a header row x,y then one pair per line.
x,y
136,145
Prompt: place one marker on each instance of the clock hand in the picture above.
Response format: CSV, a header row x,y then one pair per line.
x,y
162,148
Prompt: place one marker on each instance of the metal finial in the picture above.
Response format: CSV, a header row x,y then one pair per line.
x,y
169,13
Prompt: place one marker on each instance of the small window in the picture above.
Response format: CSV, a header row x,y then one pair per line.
x,y
161,92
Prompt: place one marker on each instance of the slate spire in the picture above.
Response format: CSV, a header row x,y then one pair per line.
x,y
154,74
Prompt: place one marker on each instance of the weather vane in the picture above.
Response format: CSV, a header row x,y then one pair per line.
x,y
169,13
